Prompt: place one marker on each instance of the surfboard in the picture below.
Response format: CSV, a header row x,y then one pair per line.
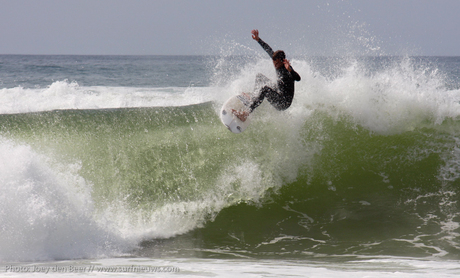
x,y
235,105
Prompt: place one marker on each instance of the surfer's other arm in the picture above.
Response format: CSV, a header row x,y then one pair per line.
x,y
289,68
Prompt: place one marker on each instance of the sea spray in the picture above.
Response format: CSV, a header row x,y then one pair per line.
x,y
47,212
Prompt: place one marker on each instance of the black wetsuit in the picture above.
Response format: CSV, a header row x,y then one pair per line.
x,y
279,95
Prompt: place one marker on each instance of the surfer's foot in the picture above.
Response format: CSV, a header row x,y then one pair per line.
x,y
246,95
242,115
245,98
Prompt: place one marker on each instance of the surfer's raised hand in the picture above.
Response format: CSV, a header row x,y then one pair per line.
x,y
255,34
287,65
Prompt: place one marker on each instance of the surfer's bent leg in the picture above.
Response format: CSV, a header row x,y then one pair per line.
x,y
264,86
260,98
276,99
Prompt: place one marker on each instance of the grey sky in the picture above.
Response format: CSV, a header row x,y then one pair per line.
x,y
308,27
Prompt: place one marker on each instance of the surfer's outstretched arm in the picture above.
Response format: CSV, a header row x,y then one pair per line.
x,y
265,46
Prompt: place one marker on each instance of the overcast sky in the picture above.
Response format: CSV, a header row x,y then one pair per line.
x,y
181,27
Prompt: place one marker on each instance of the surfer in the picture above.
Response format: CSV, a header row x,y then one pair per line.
x,y
279,94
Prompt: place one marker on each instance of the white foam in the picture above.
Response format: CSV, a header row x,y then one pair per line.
x,y
47,212
394,99
397,97
69,95
378,267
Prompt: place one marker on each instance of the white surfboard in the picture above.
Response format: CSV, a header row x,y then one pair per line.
x,y
234,105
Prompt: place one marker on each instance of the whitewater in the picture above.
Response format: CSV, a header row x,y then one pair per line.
x,y
122,162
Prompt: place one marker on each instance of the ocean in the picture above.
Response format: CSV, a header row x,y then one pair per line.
x,y
119,165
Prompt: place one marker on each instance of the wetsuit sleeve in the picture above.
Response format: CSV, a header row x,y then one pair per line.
x,y
295,75
266,47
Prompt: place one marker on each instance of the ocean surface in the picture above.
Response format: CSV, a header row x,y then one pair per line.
x,y
115,165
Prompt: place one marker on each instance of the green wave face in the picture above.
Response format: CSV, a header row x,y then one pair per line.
x,y
293,184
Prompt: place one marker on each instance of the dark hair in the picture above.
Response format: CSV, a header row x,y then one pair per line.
x,y
279,54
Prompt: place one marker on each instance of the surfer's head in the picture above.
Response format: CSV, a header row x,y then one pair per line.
x,y
279,54
278,58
